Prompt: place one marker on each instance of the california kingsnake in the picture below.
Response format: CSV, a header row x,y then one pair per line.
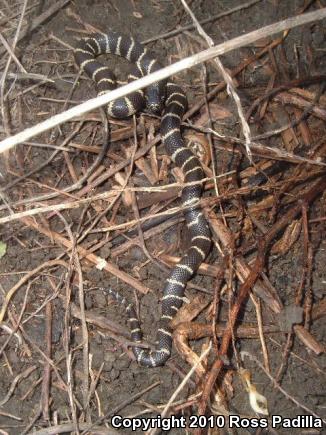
x,y
174,108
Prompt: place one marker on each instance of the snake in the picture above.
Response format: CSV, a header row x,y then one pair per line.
x,y
169,99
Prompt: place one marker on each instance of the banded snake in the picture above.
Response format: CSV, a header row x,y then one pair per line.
x,y
171,98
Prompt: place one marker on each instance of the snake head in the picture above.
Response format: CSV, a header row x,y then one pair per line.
x,y
155,97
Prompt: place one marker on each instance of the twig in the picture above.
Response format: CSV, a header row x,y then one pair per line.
x,y
98,261
6,69
66,346
18,322
228,80
265,151
76,262
23,280
27,76
22,375
70,427
257,303
207,20
5,74
183,64
47,370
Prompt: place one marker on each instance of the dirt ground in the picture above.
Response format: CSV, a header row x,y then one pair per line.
x,y
65,360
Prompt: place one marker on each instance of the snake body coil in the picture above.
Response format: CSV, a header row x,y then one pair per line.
x,y
174,101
